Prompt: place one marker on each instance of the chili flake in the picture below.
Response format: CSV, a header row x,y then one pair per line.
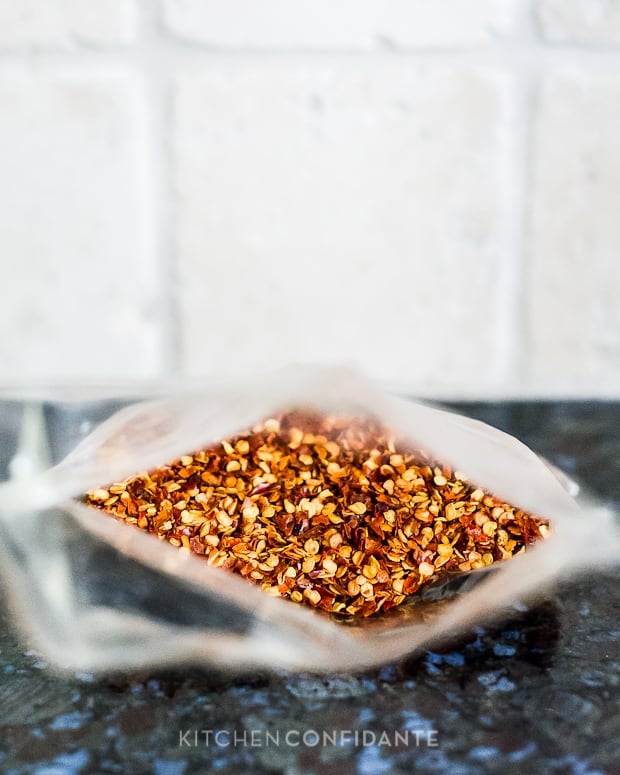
x,y
330,511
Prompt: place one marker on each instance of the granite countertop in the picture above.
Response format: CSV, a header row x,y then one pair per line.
x,y
540,693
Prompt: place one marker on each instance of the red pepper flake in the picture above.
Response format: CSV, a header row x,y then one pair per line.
x,y
331,512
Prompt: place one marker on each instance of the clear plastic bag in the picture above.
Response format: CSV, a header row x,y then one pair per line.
x,y
95,594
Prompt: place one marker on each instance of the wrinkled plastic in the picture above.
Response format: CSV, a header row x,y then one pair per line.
x,y
95,594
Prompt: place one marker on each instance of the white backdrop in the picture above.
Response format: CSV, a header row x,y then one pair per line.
x,y
427,189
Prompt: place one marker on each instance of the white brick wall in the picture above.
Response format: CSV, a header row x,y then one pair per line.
x,y
574,277
79,291
347,24
312,205
582,21
65,23
428,190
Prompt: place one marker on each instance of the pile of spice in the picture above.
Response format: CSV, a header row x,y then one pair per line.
x,y
329,511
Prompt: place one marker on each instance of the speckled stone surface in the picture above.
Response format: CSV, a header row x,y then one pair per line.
x,y
539,694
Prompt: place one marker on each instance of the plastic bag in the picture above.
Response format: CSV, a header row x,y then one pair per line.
x,y
95,594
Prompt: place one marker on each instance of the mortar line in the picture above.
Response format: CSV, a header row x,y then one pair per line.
x,y
153,62
189,54
521,177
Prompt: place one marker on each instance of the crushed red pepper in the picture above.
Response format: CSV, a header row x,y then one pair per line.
x,y
329,511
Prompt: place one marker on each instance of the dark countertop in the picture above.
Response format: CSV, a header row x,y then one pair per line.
x,y
539,694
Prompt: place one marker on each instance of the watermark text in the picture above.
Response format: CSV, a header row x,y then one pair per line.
x,y
308,738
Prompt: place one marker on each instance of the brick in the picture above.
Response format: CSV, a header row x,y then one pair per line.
x,y
65,23
348,213
78,296
354,24
580,21
574,279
